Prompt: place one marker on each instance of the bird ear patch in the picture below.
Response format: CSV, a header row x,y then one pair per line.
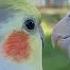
x,y
17,47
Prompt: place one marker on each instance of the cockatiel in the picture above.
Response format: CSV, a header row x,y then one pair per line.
x,y
61,34
21,38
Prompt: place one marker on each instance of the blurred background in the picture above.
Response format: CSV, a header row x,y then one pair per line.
x,y
52,11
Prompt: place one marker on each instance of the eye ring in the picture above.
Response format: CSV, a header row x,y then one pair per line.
x,y
30,24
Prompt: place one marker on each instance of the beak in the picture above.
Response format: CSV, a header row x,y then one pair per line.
x,y
62,41
42,36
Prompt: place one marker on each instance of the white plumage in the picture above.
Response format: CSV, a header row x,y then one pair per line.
x,y
61,34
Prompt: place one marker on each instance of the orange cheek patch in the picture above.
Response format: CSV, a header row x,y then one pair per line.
x,y
17,46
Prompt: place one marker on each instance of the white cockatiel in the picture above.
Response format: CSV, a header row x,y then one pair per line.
x,y
61,34
21,38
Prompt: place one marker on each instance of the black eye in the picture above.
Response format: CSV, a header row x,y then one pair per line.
x,y
30,24
68,15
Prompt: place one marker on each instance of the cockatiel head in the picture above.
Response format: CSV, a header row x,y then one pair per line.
x,y
61,34
20,36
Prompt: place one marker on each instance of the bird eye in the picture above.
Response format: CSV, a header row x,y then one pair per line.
x,y
30,24
69,16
